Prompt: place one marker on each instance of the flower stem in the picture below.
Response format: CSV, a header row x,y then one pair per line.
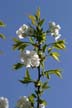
x,y
39,75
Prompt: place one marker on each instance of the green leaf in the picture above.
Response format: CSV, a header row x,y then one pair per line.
x,y
55,55
31,40
26,81
44,48
32,97
18,66
45,85
50,49
16,40
38,13
41,101
27,74
56,72
33,19
2,36
27,78
20,45
41,22
46,74
59,44
2,24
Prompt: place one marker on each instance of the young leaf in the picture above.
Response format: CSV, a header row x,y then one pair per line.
x,y
41,22
45,85
55,55
56,72
31,98
2,24
20,45
18,66
44,48
31,40
60,44
27,74
2,36
33,19
27,79
38,13
46,74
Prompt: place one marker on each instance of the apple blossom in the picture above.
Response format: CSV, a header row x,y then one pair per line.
x,y
4,102
30,58
23,102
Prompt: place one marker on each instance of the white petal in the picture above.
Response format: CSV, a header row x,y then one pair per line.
x,y
22,60
20,29
56,31
18,32
58,26
53,23
20,36
56,38
27,52
25,26
28,65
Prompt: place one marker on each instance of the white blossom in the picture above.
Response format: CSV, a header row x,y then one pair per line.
x,y
41,106
30,58
23,31
54,30
4,102
23,102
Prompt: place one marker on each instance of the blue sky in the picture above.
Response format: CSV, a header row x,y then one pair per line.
x,y
14,14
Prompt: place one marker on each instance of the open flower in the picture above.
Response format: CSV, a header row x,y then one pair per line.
x,y
54,30
30,58
23,102
23,31
4,102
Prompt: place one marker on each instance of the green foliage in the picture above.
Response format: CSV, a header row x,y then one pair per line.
x,y
45,85
38,14
2,24
55,55
59,44
2,36
41,22
32,98
18,66
20,45
27,79
33,19
41,101
44,47
57,72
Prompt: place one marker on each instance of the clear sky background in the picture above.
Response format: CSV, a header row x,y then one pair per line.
x,y
14,14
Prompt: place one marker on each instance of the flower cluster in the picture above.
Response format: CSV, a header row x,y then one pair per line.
x,y
4,102
23,31
54,30
30,58
23,102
